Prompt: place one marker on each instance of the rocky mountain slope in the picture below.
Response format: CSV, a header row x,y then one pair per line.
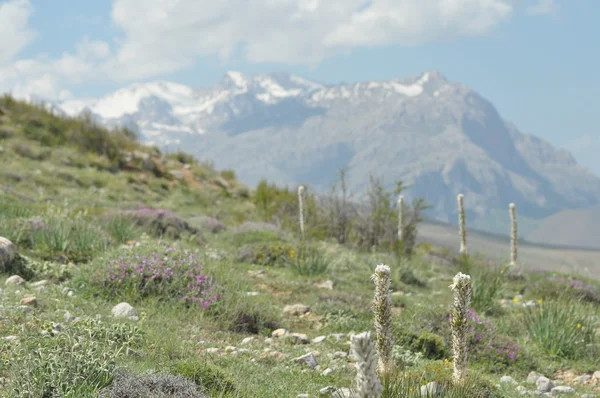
x,y
440,137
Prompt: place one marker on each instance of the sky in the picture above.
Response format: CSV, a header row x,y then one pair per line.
x,y
537,61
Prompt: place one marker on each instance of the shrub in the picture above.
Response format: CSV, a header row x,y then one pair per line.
x,y
209,224
229,175
562,329
268,255
208,376
165,274
486,346
160,222
29,268
154,385
76,362
559,287
430,345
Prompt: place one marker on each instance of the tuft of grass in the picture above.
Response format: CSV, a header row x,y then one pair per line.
x,y
122,229
563,328
310,262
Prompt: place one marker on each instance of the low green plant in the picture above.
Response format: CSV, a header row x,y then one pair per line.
x,y
309,262
76,238
75,362
122,229
487,284
209,377
563,328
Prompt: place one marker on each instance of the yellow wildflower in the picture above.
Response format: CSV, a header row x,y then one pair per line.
x,y
515,300
579,326
540,301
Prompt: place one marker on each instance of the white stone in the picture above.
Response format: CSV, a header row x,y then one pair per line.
x,y
123,310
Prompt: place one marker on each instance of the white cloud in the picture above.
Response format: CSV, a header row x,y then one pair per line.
x,y
543,7
162,36
14,29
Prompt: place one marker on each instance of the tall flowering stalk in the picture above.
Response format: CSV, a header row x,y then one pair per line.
x,y
461,287
301,209
462,224
382,310
367,382
400,217
513,234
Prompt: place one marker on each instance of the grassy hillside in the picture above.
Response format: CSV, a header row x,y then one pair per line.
x,y
142,274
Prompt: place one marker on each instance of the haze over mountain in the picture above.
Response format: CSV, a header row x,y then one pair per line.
x,y
440,137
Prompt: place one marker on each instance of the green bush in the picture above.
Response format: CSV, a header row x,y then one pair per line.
x,y
429,344
268,255
209,377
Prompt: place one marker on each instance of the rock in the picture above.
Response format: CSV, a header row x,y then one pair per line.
x,y
509,380
327,372
582,379
29,301
559,390
596,375
212,350
308,360
39,284
302,396
297,338
230,348
344,393
530,304
221,182
431,389
588,396
318,339
10,338
14,280
328,284
533,376
338,355
124,310
248,340
296,309
337,336
8,251
279,333
544,384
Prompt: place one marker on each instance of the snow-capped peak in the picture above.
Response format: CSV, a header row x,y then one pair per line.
x,y
236,78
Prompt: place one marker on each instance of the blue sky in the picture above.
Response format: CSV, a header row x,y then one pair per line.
x,y
538,61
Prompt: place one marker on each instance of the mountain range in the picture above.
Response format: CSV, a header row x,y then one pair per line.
x,y
439,137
